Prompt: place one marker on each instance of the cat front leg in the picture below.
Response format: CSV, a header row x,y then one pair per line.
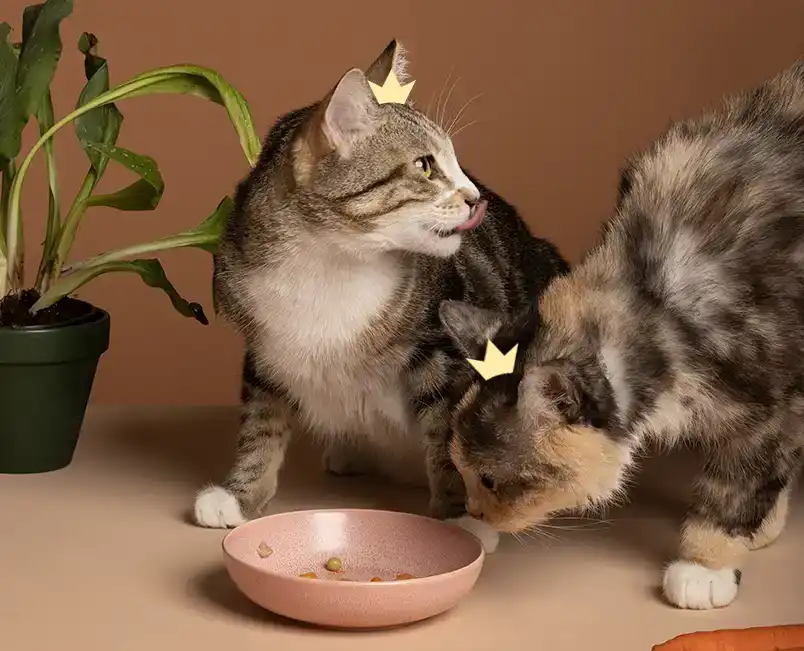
x,y
447,491
266,422
740,505
448,494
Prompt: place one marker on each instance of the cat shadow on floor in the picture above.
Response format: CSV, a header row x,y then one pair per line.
x,y
659,494
196,446
193,445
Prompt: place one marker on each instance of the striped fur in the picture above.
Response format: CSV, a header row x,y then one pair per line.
x,y
684,324
333,266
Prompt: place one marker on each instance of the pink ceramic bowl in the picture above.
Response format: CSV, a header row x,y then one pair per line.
x,y
444,559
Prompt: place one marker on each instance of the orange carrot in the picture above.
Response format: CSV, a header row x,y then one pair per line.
x,y
759,638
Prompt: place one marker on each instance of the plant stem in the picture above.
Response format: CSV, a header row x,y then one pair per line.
x,y
11,269
66,235
13,222
180,240
45,119
8,170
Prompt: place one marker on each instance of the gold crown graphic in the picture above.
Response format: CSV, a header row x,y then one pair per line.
x,y
495,363
391,92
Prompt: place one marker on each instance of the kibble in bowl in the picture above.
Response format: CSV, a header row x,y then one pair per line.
x,y
334,564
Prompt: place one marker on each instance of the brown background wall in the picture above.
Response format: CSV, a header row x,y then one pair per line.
x,y
569,88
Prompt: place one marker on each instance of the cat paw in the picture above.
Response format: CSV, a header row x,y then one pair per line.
x,y
488,537
217,508
695,587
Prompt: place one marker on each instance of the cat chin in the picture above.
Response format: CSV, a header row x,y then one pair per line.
x,y
440,246
421,240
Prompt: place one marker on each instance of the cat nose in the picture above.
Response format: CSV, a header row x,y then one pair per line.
x,y
469,193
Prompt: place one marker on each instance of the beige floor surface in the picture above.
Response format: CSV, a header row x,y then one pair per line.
x,y
100,556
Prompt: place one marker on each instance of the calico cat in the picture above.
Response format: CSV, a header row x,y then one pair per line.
x,y
352,228
685,323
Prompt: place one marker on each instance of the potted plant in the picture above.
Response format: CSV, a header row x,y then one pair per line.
x,y
50,342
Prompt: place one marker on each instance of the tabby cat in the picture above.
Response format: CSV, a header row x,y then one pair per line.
x,y
352,228
684,324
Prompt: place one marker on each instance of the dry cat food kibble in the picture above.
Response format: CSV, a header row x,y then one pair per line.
x,y
264,551
334,564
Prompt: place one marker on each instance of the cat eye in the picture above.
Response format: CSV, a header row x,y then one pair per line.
x,y
487,482
425,164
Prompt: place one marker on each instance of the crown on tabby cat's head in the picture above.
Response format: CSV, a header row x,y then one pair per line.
x,y
391,92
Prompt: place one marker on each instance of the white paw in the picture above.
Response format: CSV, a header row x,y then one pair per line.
x,y
487,536
217,508
693,586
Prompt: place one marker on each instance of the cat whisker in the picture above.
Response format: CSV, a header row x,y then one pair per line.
x,y
458,115
465,126
523,538
441,97
443,116
429,106
537,533
585,521
563,527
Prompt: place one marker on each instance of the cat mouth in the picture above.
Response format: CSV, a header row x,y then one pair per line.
x,y
476,216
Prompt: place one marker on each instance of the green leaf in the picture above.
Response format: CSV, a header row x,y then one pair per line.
x,y
144,194
40,53
210,230
11,120
207,83
158,80
172,84
205,236
151,272
101,125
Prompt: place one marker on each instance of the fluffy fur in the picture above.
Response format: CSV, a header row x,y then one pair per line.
x,y
685,323
345,239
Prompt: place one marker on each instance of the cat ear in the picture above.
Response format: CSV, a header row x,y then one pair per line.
x,y
393,58
348,113
556,386
469,327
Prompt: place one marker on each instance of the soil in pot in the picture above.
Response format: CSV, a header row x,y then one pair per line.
x,y
47,368
15,311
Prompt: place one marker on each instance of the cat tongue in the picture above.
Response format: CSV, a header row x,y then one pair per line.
x,y
475,217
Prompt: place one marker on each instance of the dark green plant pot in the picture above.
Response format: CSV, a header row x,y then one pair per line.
x,y
46,376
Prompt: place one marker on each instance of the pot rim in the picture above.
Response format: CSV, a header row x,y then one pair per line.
x,y
95,314
78,339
